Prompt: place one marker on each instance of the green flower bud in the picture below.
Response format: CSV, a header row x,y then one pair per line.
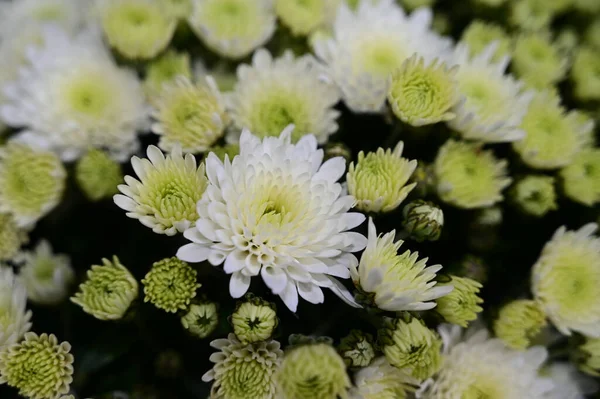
x,y
423,220
519,322
11,237
254,320
170,285
588,357
530,15
535,195
461,305
303,17
585,73
357,349
581,178
201,319
98,175
108,291
164,69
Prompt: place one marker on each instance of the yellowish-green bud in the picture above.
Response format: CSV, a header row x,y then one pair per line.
x,y
530,15
423,220
412,347
313,371
108,291
11,237
469,177
461,305
137,29
589,356
535,195
305,16
254,320
585,73
423,94
537,61
519,322
480,34
357,349
170,285
201,319
164,70
39,366
98,175
231,150
378,180
581,178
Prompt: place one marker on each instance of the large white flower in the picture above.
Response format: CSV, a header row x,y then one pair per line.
x,y
494,103
275,210
73,97
14,319
370,43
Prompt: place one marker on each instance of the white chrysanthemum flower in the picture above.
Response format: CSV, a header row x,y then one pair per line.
x,y
165,196
480,367
568,382
396,282
565,280
272,93
46,276
73,97
275,210
380,380
370,43
233,28
494,103
304,17
14,319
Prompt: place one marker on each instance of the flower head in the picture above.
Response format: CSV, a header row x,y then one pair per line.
x,y
479,35
189,115
531,15
411,347
108,291
39,367
565,280
538,61
11,237
170,285
165,196
312,371
98,175
46,276
32,182
67,14
244,371
469,177
535,195
494,102
180,9
254,320
589,358
396,282
378,180
304,17
581,178
260,215
357,349
272,93
381,380
14,319
462,304
233,28
422,94
201,319
370,43
519,322
423,220
164,70
137,29
585,73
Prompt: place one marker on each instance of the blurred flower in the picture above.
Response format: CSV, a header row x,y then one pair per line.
x,y
108,291
272,93
201,319
137,29
491,3
592,34
302,17
243,371
585,75
189,115
530,15
165,196
254,320
380,380
312,371
47,276
462,304
581,178
411,347
357,349
535,195
423,94
11,237
589,358
414,4
423,220
170,285
425,179
395,282
565,280
537,61
276,211
98,175
233,28
473,267
469,177
32,182
39,367
480,34
230,150
164,70
337,149
179,9
14,319
519,322
568,382
67,14
494,104
590,6
378,180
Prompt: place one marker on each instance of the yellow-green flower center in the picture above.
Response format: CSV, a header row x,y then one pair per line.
x,y
380,57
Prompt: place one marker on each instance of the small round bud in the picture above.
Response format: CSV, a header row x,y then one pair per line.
x,y
588,356
170,285
423,220
461,305
98,175
201,319
357,349
254,319
581,178
535,195
519,322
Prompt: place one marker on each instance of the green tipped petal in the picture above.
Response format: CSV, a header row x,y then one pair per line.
x,y
170,285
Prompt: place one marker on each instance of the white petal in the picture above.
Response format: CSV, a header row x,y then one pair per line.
x,y
311,292
193,253
289,296
125,203
238,285
332,170
234,262
275,279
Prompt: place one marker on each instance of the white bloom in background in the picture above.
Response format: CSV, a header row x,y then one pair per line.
x,y
494,102
277,211
273,93
233,28
370,43
569,383
46,275
565,280
73,97
14,318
